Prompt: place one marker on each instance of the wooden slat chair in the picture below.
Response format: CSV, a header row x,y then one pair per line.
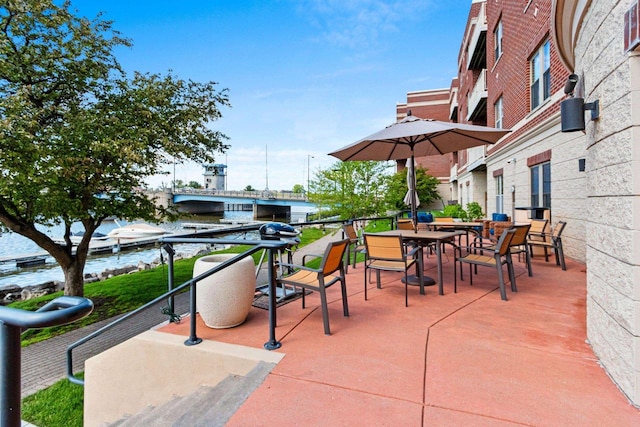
x,y
495,258
553,241
331,271
519,244
405,224
388,253
356,244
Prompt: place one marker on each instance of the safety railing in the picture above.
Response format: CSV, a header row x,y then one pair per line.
x,y
13,321
272,246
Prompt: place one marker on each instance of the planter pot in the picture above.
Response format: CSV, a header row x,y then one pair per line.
x,y
224,298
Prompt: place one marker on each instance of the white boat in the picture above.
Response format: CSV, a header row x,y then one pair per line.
x,y
136,231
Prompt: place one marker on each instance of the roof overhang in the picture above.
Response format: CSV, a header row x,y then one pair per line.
x,y
567,17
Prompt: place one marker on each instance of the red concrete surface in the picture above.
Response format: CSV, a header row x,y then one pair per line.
x,y
464,359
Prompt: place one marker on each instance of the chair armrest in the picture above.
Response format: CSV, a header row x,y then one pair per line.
x,y
298,267
304,258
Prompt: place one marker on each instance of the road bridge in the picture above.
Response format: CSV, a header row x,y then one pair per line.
x,y
263,203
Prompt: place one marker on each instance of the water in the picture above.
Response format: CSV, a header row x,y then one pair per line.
x,y
12,244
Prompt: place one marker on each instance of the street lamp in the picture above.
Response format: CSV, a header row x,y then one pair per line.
x,y
309,157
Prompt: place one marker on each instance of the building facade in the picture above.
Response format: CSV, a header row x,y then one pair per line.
x,y
599,42
514,61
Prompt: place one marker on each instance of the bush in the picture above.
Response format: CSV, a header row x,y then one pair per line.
x,y
474,211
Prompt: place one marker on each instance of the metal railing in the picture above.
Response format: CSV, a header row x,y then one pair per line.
x,y
271,246
13,321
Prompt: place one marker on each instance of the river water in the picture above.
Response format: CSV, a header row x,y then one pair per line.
x,y
14,244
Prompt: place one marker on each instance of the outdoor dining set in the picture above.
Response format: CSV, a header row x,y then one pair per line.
x,y
404,249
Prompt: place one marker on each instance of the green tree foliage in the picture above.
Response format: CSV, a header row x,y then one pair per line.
x,y
78,136
351,189
426,185
194,184
249,188
298,189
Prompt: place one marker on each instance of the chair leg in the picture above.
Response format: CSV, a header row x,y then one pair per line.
x,y
527,256
512,275
345,303
406,288
503,292
455,275
365,279
325,310
560,254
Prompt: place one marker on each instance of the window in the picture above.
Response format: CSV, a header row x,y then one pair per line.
x,y
499,194
541,185
497,38
498,112
540,75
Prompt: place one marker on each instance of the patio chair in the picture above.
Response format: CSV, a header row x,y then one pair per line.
x,y
554,241
405,224
356,244
538,228
498,257
331,271
519,244
389,253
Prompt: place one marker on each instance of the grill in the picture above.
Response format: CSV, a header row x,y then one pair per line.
x,y
289,235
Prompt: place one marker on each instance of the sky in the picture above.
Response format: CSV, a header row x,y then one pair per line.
x,y
305,77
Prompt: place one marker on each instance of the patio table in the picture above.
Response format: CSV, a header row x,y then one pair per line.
x,y
423,238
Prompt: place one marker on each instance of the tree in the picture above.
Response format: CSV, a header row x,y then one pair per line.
x,y
249,188
426,186
351,189
298,189
194,184
78,137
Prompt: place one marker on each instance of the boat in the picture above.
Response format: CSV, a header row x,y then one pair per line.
x,y
77,236
136,231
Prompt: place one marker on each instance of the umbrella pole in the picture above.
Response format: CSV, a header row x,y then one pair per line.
x,y
414,208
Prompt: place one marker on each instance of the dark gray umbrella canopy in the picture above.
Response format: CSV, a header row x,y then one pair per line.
x,y
413,136
418,137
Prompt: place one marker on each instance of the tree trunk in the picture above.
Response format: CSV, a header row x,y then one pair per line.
x,y
74,278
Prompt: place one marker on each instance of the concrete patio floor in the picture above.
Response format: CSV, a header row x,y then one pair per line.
x,y
465,358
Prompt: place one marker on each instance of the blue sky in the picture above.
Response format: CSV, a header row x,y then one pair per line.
x,y
304,77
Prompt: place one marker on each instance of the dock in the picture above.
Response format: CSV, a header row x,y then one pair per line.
x,y
101,247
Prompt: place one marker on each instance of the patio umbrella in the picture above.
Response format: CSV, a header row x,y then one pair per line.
x,y
411,198
413,136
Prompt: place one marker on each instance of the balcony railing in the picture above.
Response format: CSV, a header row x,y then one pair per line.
x,y
476,51
477,102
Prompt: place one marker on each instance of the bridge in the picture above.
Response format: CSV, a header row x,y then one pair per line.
x,y
262,203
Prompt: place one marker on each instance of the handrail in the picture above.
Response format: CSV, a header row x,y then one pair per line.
x,y
270,245
59,311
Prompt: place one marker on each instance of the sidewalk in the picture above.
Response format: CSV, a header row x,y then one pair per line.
x,y
45,363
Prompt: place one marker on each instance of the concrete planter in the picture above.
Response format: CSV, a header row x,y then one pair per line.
x,y
224,298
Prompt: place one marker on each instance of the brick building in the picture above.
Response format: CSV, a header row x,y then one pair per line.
x,y
429,104
514,60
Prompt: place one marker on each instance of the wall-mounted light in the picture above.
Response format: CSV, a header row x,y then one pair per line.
x,y
572,109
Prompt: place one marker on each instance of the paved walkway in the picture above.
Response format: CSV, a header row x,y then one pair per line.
x,y
45,363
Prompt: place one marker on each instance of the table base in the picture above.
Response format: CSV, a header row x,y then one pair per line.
x,y
414,281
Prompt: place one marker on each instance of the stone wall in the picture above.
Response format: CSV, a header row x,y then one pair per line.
x,y
613,207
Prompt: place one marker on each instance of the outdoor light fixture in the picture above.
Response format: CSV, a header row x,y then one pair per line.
x,y
572,109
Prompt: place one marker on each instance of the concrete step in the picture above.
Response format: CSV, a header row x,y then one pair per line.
x,y
207,406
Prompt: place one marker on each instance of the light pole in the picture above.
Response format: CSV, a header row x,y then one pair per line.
x,y
309,157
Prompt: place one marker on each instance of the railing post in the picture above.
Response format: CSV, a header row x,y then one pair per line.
x,y
171,279
193,338
272,344
10,370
